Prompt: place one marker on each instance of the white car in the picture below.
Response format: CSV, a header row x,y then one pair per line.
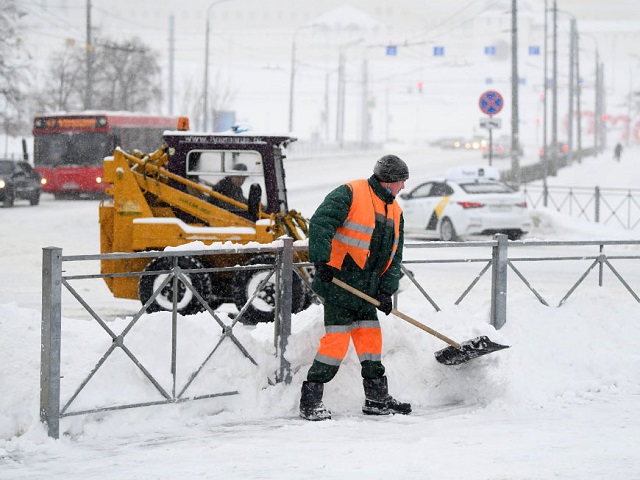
x,y
466,201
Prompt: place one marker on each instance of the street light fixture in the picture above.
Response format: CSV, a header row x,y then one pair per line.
x,y
205,107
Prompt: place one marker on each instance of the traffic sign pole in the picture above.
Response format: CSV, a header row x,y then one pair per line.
x,y
490,146
491,102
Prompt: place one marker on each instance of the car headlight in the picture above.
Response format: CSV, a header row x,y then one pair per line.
x,y
2,183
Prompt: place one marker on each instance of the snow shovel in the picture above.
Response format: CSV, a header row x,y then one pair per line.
x,y
456,353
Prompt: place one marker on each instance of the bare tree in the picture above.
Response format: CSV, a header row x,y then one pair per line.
x,y
191,99
126,76
12,68
62,90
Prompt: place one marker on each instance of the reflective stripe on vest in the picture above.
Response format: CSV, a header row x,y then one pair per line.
x,y
354,236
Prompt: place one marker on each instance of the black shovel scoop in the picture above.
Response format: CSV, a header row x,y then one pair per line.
x,y
468,350
456,353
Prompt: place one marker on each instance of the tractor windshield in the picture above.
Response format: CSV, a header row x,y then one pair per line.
x,y
217,168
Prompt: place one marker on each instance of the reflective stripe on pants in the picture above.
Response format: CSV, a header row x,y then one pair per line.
x,y
367,340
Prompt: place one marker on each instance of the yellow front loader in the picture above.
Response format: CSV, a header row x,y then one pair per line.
x,y
174,196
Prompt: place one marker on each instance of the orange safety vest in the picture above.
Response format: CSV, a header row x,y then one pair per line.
x,y
353,237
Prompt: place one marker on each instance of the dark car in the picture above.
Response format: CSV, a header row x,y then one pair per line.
x,y
18,180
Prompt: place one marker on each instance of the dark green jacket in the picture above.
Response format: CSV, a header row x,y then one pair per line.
x,y
330,215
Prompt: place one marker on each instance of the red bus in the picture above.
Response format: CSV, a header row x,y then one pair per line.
x,y
69,148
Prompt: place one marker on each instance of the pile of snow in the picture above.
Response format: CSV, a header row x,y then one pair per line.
x,y
575,351
547,223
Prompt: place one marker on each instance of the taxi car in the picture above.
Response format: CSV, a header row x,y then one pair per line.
x,y
467,201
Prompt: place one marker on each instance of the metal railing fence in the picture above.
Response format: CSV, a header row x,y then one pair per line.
x,y
498,256
599,256
54,279
531,172
601,259
618,206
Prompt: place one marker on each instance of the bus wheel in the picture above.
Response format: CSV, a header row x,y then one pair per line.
x,y
186,302
262,307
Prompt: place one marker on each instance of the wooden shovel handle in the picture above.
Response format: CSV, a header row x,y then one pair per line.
x,y
401,315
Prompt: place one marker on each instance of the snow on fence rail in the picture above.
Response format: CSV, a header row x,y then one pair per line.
x,y
497,258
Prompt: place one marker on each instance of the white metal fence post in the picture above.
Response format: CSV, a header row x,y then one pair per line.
x,y
50,334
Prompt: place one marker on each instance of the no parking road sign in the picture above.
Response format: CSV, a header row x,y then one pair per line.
x,y
491,102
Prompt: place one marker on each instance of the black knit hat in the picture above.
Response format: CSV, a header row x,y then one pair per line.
x,y
391,169
240,167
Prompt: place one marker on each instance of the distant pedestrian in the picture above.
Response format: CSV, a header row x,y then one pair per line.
x,y
617,152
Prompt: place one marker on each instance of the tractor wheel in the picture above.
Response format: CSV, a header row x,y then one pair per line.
x,y
187,303
262,307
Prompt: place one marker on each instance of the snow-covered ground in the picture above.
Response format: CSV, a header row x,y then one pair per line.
x,y
562,402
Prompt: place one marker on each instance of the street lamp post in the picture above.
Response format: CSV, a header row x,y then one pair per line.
x,y
597,86
341,94
293,73
340,100
515,119
327,88
578,94
574,77
574,66
89,59
572,73
545,158
554,95
205,106
292,80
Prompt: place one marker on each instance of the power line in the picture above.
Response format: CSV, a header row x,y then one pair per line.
x,y
453,16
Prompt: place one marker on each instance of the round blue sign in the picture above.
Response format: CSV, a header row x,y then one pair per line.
x,y
491,102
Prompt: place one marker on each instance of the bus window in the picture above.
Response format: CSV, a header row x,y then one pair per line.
x,y
79,149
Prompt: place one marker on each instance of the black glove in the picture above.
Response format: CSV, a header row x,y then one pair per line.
x,y
386,303
324,272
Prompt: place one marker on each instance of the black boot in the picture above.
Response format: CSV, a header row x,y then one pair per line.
x,y
311,406
378,401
